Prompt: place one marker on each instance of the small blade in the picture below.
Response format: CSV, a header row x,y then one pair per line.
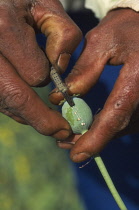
x,y
61,86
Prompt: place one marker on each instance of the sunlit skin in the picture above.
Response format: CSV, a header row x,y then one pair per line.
x,y
23,64
115,41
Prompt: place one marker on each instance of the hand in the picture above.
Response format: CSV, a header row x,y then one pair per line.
x,y
23,64
115,41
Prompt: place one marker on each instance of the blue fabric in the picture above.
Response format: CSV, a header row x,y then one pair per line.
x,y
121,156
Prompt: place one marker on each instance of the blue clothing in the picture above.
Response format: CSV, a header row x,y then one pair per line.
x,y
121,156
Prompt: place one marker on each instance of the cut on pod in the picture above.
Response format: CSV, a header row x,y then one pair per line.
x,y
80,119
79,116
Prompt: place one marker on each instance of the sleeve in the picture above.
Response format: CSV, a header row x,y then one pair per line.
x,y
133,4
101,7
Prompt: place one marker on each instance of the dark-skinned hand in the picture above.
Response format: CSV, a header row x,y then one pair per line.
x,y
23,64
115,41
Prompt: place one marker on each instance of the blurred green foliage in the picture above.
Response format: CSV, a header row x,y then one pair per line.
x,y
34,173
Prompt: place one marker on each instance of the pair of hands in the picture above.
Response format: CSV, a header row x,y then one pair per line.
x,y
24,65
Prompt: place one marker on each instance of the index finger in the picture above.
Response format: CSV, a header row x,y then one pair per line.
x,y
114,117
62,33
88,67
19,99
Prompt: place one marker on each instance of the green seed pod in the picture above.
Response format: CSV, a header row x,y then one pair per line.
x,y
79,116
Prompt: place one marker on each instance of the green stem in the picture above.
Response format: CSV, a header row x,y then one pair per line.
x,y
109,181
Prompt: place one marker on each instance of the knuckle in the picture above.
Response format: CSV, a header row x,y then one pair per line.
x,y
15,99
64,26
93,40
4,24
119,116
37,80
44,131
47,131
73,32
5,19
119,122
37,77
92,36
70,35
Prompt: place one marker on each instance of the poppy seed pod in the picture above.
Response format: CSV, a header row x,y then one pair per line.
x,y
79,116
80,119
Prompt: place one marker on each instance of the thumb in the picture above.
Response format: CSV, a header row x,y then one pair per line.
x,y
114,117
62,34
87,69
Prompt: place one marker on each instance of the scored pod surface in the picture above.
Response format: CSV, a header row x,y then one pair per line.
x,y
80,119
79,116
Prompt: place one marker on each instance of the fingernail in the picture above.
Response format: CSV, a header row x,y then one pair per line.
x,y
80,157
53,92
65,142
63,61
63,134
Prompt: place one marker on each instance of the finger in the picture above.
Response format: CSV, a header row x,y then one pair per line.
x,y
16,118
68,143
19,99
88,68
62,34
56,97
114,117
65,145
18,44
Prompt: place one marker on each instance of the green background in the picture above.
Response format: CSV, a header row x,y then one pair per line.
x,y
34,173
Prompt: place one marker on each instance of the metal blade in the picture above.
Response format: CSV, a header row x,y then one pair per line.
x,y
61,86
